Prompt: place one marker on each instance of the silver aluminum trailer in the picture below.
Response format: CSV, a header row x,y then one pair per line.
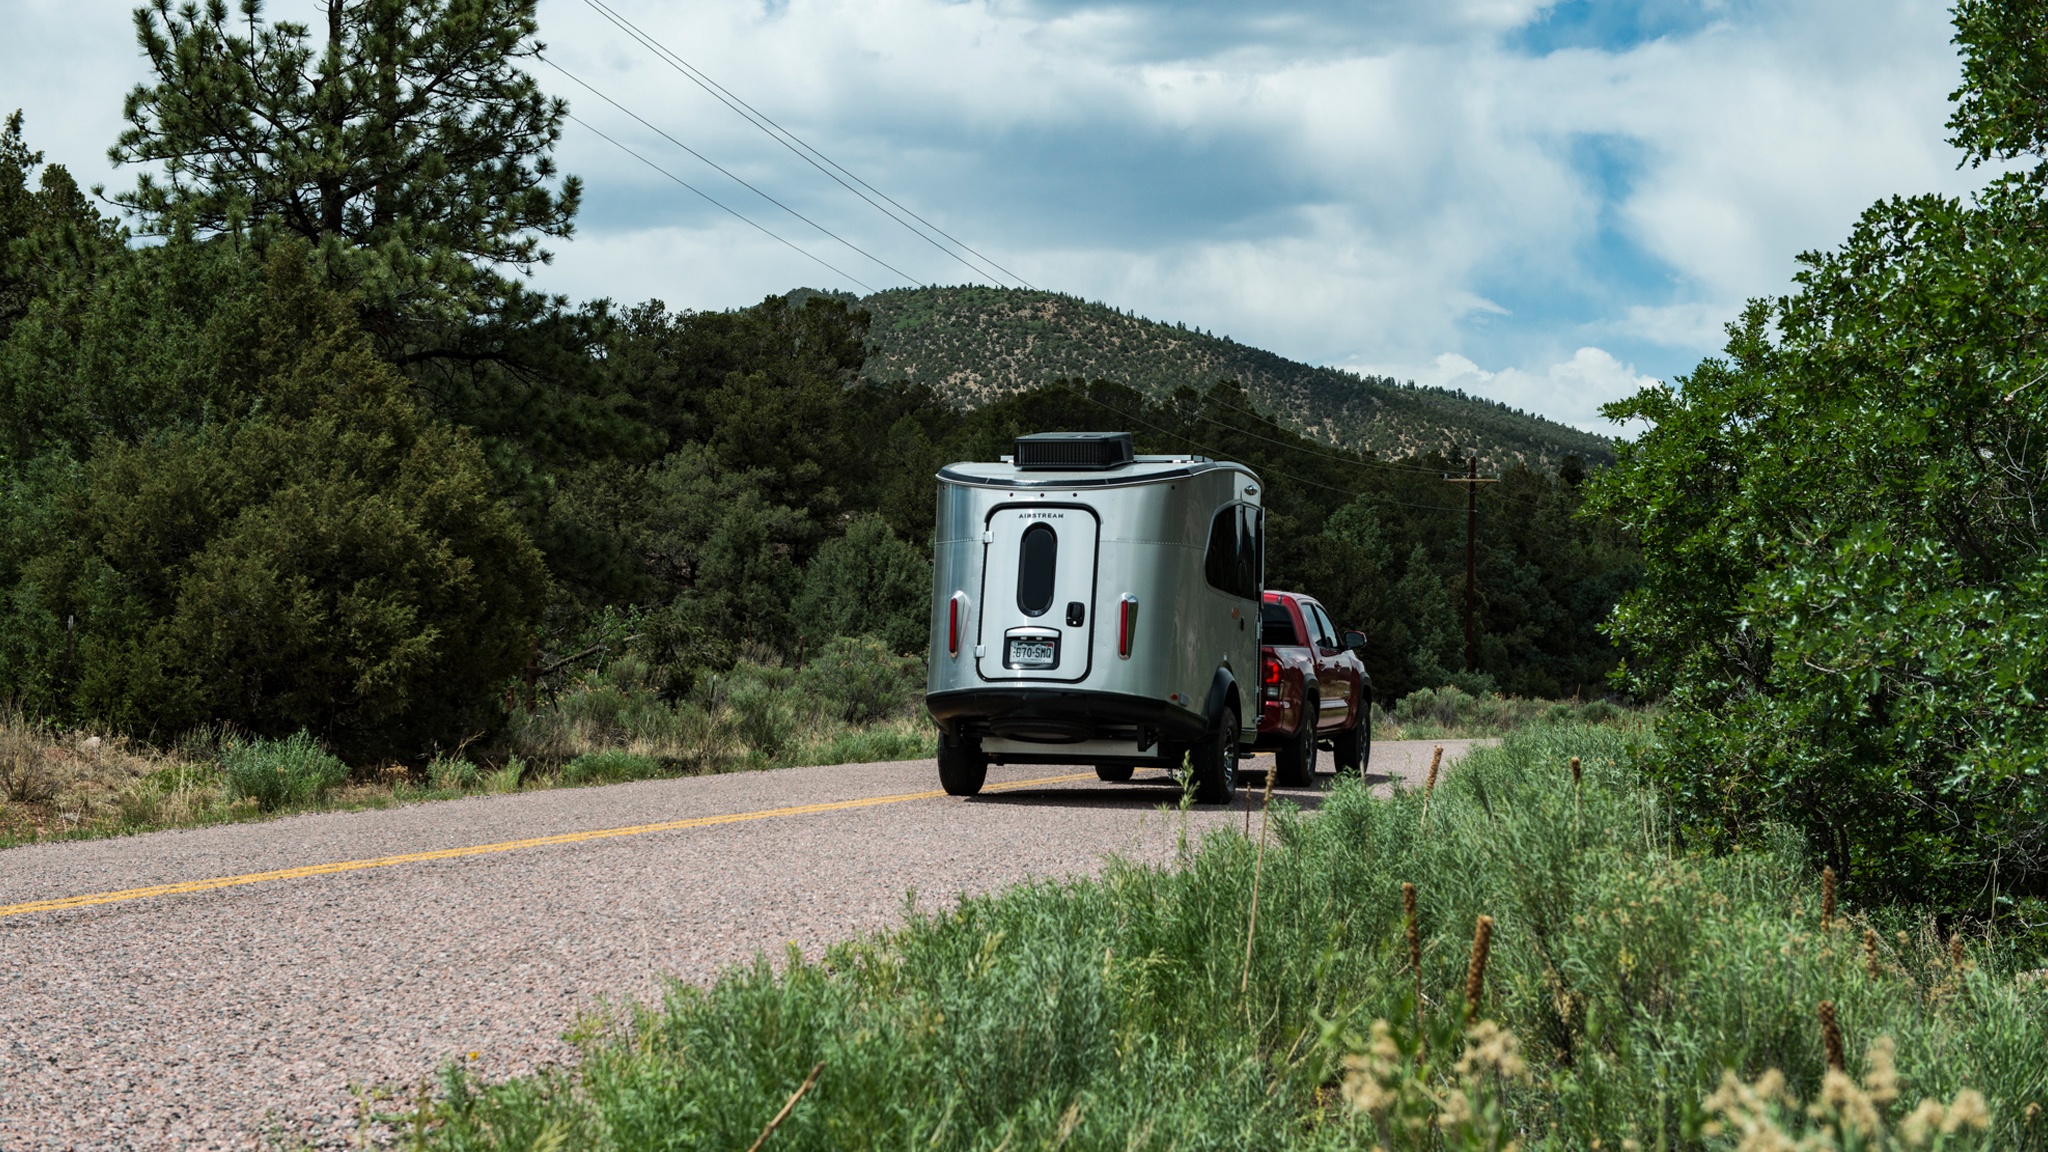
x,y
1091,606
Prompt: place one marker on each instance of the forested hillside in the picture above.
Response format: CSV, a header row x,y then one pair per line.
x,y
973,344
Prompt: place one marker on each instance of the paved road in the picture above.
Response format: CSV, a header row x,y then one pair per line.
x,y
202,1019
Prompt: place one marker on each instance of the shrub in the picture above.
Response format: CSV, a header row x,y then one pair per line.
x,y
764,708
450,773
869,583
281,773
858,680
610,767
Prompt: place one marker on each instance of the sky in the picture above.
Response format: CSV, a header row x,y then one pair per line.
x,y
1550,204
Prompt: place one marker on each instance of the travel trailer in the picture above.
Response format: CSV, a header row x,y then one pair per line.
x,y
1092,606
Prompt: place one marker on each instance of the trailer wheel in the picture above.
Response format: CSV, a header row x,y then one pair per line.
x,y
1354,744
1294,765
1114,773
1213,761
962,765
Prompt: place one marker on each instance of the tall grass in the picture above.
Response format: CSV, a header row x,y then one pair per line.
x,y
1622,982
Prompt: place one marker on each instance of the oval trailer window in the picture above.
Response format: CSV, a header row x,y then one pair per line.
x,y
1035,562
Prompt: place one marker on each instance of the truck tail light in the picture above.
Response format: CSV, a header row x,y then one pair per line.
x,y
1272,670
1126,625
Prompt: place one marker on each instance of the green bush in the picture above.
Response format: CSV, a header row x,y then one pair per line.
x,y
765,705
859,680
281,773
1107,1014
868,583
610,767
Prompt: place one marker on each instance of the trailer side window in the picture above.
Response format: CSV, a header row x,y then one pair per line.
x,y
1232,563
1037,557
1220,565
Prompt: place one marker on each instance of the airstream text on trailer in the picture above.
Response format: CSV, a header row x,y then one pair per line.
x,y
1091,606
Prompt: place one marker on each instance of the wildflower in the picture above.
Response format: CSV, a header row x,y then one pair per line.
x,y
1922,1122
1851,1105
1880,1072
1492,1048
1968,1111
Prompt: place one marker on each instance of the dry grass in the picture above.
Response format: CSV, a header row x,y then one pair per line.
x,y
57,783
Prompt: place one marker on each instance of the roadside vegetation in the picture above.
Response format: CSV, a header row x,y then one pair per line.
x,y
856,702
1630,993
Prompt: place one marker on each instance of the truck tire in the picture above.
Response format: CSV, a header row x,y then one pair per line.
x,y
1294,765
1113,773
962,765
1354,744
1213,760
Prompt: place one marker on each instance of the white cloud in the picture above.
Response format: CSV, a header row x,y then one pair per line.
x,y
1377,183
1570,391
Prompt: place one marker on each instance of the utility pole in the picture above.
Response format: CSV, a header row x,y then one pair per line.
x,y
1471,480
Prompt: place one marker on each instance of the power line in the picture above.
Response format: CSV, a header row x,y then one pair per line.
x,y
802,148
721,168
708,197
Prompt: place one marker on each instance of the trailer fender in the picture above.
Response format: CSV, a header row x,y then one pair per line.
x,y
1223,690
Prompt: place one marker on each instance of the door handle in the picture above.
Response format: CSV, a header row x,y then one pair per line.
x,y
1076,613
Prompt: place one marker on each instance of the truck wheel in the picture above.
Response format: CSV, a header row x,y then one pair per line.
x,y
962,765
1213,761
1294,765
1354,744
1113,773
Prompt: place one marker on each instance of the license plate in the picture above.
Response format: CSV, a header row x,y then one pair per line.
x,y
1033,652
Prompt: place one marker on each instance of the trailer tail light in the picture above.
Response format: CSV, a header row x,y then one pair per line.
x,y
1126,625
955,609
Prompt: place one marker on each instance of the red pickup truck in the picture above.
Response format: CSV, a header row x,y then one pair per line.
x,y
1313,689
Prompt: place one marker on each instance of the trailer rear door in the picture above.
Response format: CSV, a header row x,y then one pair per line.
x,y
1038,594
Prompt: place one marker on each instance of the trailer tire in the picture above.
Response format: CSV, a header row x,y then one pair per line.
x,y
1353,746
1213,760
963,767
1114,773
1294,765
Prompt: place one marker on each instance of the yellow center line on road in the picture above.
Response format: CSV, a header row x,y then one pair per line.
x,y
208,885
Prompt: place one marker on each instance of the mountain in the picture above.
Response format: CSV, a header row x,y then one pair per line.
x,y
975,344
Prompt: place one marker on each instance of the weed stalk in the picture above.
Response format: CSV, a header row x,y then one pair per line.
x,y
1827,898
1436,761
1475,972
1831,1035
1258,870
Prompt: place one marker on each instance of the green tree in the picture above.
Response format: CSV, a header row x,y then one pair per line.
x,y
1844,565
409,149
329,558
867,582
51,238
